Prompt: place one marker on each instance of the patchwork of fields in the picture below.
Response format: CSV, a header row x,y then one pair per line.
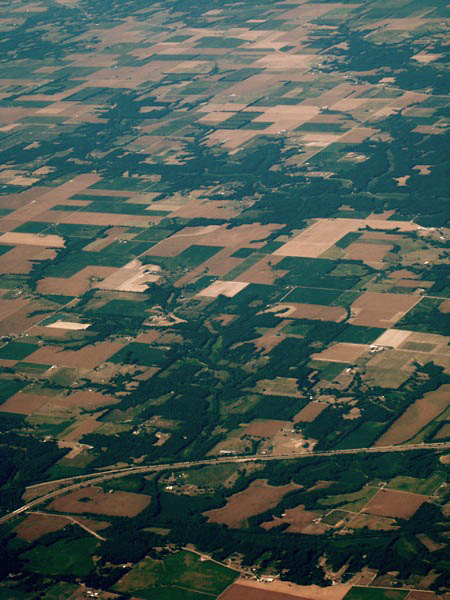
x,y
224,230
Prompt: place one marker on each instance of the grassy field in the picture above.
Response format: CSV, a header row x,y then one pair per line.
x,y
72,557
415,485
354,501
212,476
183,569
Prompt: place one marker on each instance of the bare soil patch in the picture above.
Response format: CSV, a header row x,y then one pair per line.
x,y
265,428
245,592
24,404
297,518
444,307
38,524
257,498
288,590
32,239
94,500
390,503
270,339
68,325
225,288
416,416
423,169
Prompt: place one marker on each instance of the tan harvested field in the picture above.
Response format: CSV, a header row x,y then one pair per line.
x,y
368,253
211,209
87,357
94,500
25,404
288,591
412,283
266,428
68,325
342,352
319,139
444,307
76,285
8,306
89,399
257,498
22,320
358,135
105,219
374,309
36,525
245,592
224,288
19,259
318,237
297,518
390,503
218,265
444,432
230,138
132,277
310,412
271,338
243,236
416,416
263,271
300,310
392,337
32,239
280,386
74,434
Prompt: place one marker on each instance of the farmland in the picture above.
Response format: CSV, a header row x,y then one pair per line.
x,y
224,231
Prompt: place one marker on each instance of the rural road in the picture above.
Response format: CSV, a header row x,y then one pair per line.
x,y
100,476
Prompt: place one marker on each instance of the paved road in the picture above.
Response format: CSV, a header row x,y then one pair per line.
x,y
99,477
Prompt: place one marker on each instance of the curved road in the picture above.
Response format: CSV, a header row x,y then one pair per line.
x,y
98,477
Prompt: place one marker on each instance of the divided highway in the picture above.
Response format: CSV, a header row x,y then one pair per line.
x,y
100,476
